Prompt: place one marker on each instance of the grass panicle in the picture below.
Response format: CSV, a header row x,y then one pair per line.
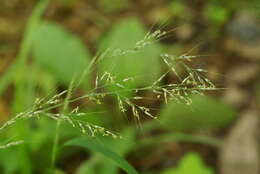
x,y
193,82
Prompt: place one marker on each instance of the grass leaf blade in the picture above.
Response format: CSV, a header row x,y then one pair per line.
x,y
93,145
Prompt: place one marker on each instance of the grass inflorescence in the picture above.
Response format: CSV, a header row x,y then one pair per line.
x,y
193,82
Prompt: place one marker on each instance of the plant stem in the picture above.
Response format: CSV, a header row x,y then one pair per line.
x,y
57,130
55,146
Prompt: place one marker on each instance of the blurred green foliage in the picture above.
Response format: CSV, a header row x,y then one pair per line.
x,y
204,113
190,163
60,52
59,56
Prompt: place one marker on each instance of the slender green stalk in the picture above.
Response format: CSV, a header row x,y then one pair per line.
x,y
17,73
55,146
57,131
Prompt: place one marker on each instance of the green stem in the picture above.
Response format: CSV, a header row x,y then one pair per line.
x,y
57,131
17,73
55,146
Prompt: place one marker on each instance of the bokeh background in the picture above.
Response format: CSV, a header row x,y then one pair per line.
x,y
217,134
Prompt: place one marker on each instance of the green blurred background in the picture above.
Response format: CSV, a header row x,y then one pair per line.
x,y
41,50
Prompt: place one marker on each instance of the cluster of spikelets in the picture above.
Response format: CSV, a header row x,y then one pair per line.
x,y
195,82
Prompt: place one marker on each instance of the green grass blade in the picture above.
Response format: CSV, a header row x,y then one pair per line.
x,y
93,145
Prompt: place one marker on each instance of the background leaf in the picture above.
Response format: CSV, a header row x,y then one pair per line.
x,y
60,52
190,163
203,113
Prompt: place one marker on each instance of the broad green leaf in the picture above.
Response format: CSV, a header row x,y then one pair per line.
x,y
143,65
190,163
60,52
93,145
203,113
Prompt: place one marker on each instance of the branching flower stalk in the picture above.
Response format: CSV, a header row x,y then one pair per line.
x,y
193,82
